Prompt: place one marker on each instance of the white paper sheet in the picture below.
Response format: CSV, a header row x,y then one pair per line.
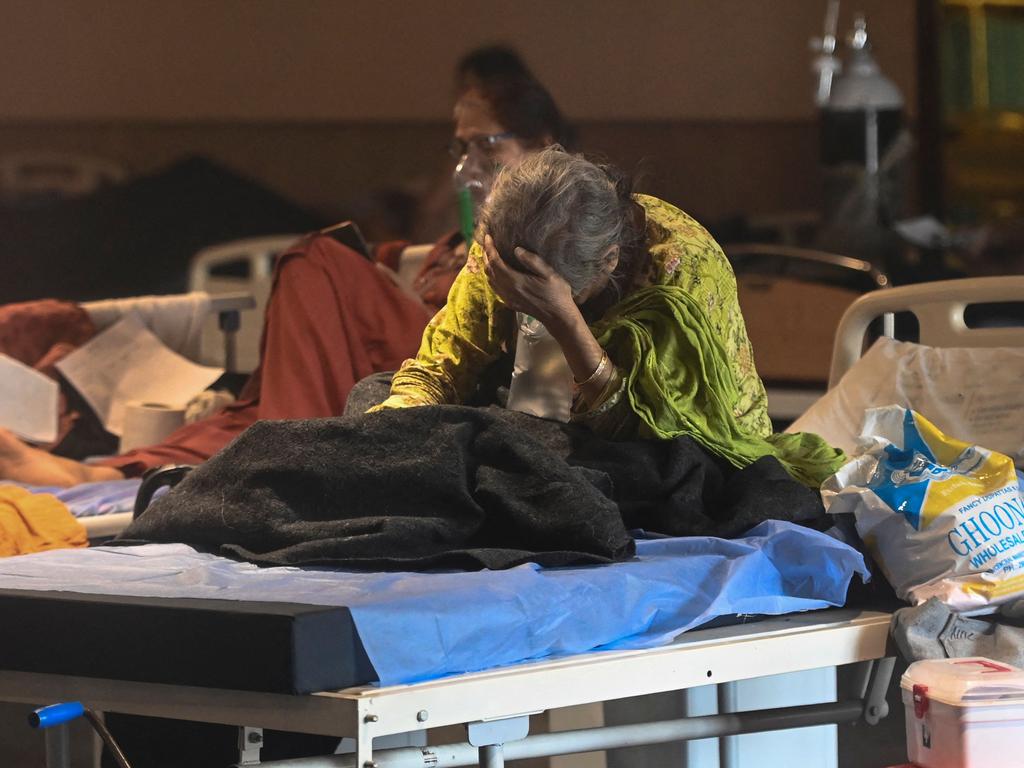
x,y
28,402
128,362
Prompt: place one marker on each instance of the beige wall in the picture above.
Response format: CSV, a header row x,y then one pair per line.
x,y
326,100
342,60
713,169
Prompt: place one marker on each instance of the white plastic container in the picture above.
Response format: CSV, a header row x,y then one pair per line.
x,y
964,713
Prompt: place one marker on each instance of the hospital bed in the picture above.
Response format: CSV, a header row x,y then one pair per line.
x,y
251,662
240,265
180,322
248,266
236,277
493,703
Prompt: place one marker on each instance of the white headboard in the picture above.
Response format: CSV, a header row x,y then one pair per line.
x,y
939,308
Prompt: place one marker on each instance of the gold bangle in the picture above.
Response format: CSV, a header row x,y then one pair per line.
x,y
588,412
597,372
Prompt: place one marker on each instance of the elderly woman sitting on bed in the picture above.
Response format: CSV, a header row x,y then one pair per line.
x,y
640,300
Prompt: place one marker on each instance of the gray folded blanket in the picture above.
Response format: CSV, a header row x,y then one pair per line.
x,y
932,631
457,487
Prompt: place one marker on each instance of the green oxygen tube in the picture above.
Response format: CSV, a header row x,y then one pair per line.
x,y
466,213
472,178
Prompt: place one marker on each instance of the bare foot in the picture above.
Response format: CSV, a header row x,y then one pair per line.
x,y
26,464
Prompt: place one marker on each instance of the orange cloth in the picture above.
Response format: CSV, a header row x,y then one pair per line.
x,y
34,522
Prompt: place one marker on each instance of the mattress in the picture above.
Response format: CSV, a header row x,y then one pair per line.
x,y
149,613
88,500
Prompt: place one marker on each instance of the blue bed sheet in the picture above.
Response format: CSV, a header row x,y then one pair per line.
x,y
418,626
91,499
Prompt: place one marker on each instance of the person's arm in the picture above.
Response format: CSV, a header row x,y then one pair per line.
x,y
462,339
599,399
544,294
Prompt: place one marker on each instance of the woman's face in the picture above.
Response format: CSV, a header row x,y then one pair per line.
x,y
478,131
610,262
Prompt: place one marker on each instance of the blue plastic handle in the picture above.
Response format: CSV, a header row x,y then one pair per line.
x,y
55,714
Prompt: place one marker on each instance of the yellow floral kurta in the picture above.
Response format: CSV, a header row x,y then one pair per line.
x,y
679,343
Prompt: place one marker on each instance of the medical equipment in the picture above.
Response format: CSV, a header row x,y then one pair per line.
x,y
939,308
864,146
162,315
225,307
236,280
240,265
227,657
963,713
827,65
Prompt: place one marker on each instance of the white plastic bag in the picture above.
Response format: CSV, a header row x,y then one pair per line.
x,y
941,517
973,393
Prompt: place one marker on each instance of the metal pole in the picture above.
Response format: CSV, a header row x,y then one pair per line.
x,y
875,705
230,321
598,739
58,747
100,727
492,756
728,746
872,174
861,677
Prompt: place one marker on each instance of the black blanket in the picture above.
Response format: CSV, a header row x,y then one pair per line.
x,y
457,487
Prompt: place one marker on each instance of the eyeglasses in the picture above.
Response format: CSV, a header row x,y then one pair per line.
x,y
484,144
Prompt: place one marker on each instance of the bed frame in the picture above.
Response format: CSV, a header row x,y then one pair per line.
x,y
495,704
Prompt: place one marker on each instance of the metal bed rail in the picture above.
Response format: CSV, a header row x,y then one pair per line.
x,y
495,704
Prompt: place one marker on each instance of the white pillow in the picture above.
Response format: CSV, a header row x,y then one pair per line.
x,y
972,394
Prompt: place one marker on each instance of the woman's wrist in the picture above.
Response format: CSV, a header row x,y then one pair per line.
x,y
566,325
597,376
581,350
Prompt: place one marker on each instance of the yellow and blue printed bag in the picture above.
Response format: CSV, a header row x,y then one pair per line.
x,y
942,518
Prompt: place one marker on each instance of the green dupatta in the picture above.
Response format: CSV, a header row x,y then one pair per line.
x,y
681,383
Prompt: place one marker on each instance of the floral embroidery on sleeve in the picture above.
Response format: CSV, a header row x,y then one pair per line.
x,y
473,265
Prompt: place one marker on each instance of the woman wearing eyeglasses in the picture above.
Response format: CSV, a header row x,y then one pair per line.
x,y
502,113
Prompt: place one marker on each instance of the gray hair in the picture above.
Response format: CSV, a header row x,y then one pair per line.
x,y
561,207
